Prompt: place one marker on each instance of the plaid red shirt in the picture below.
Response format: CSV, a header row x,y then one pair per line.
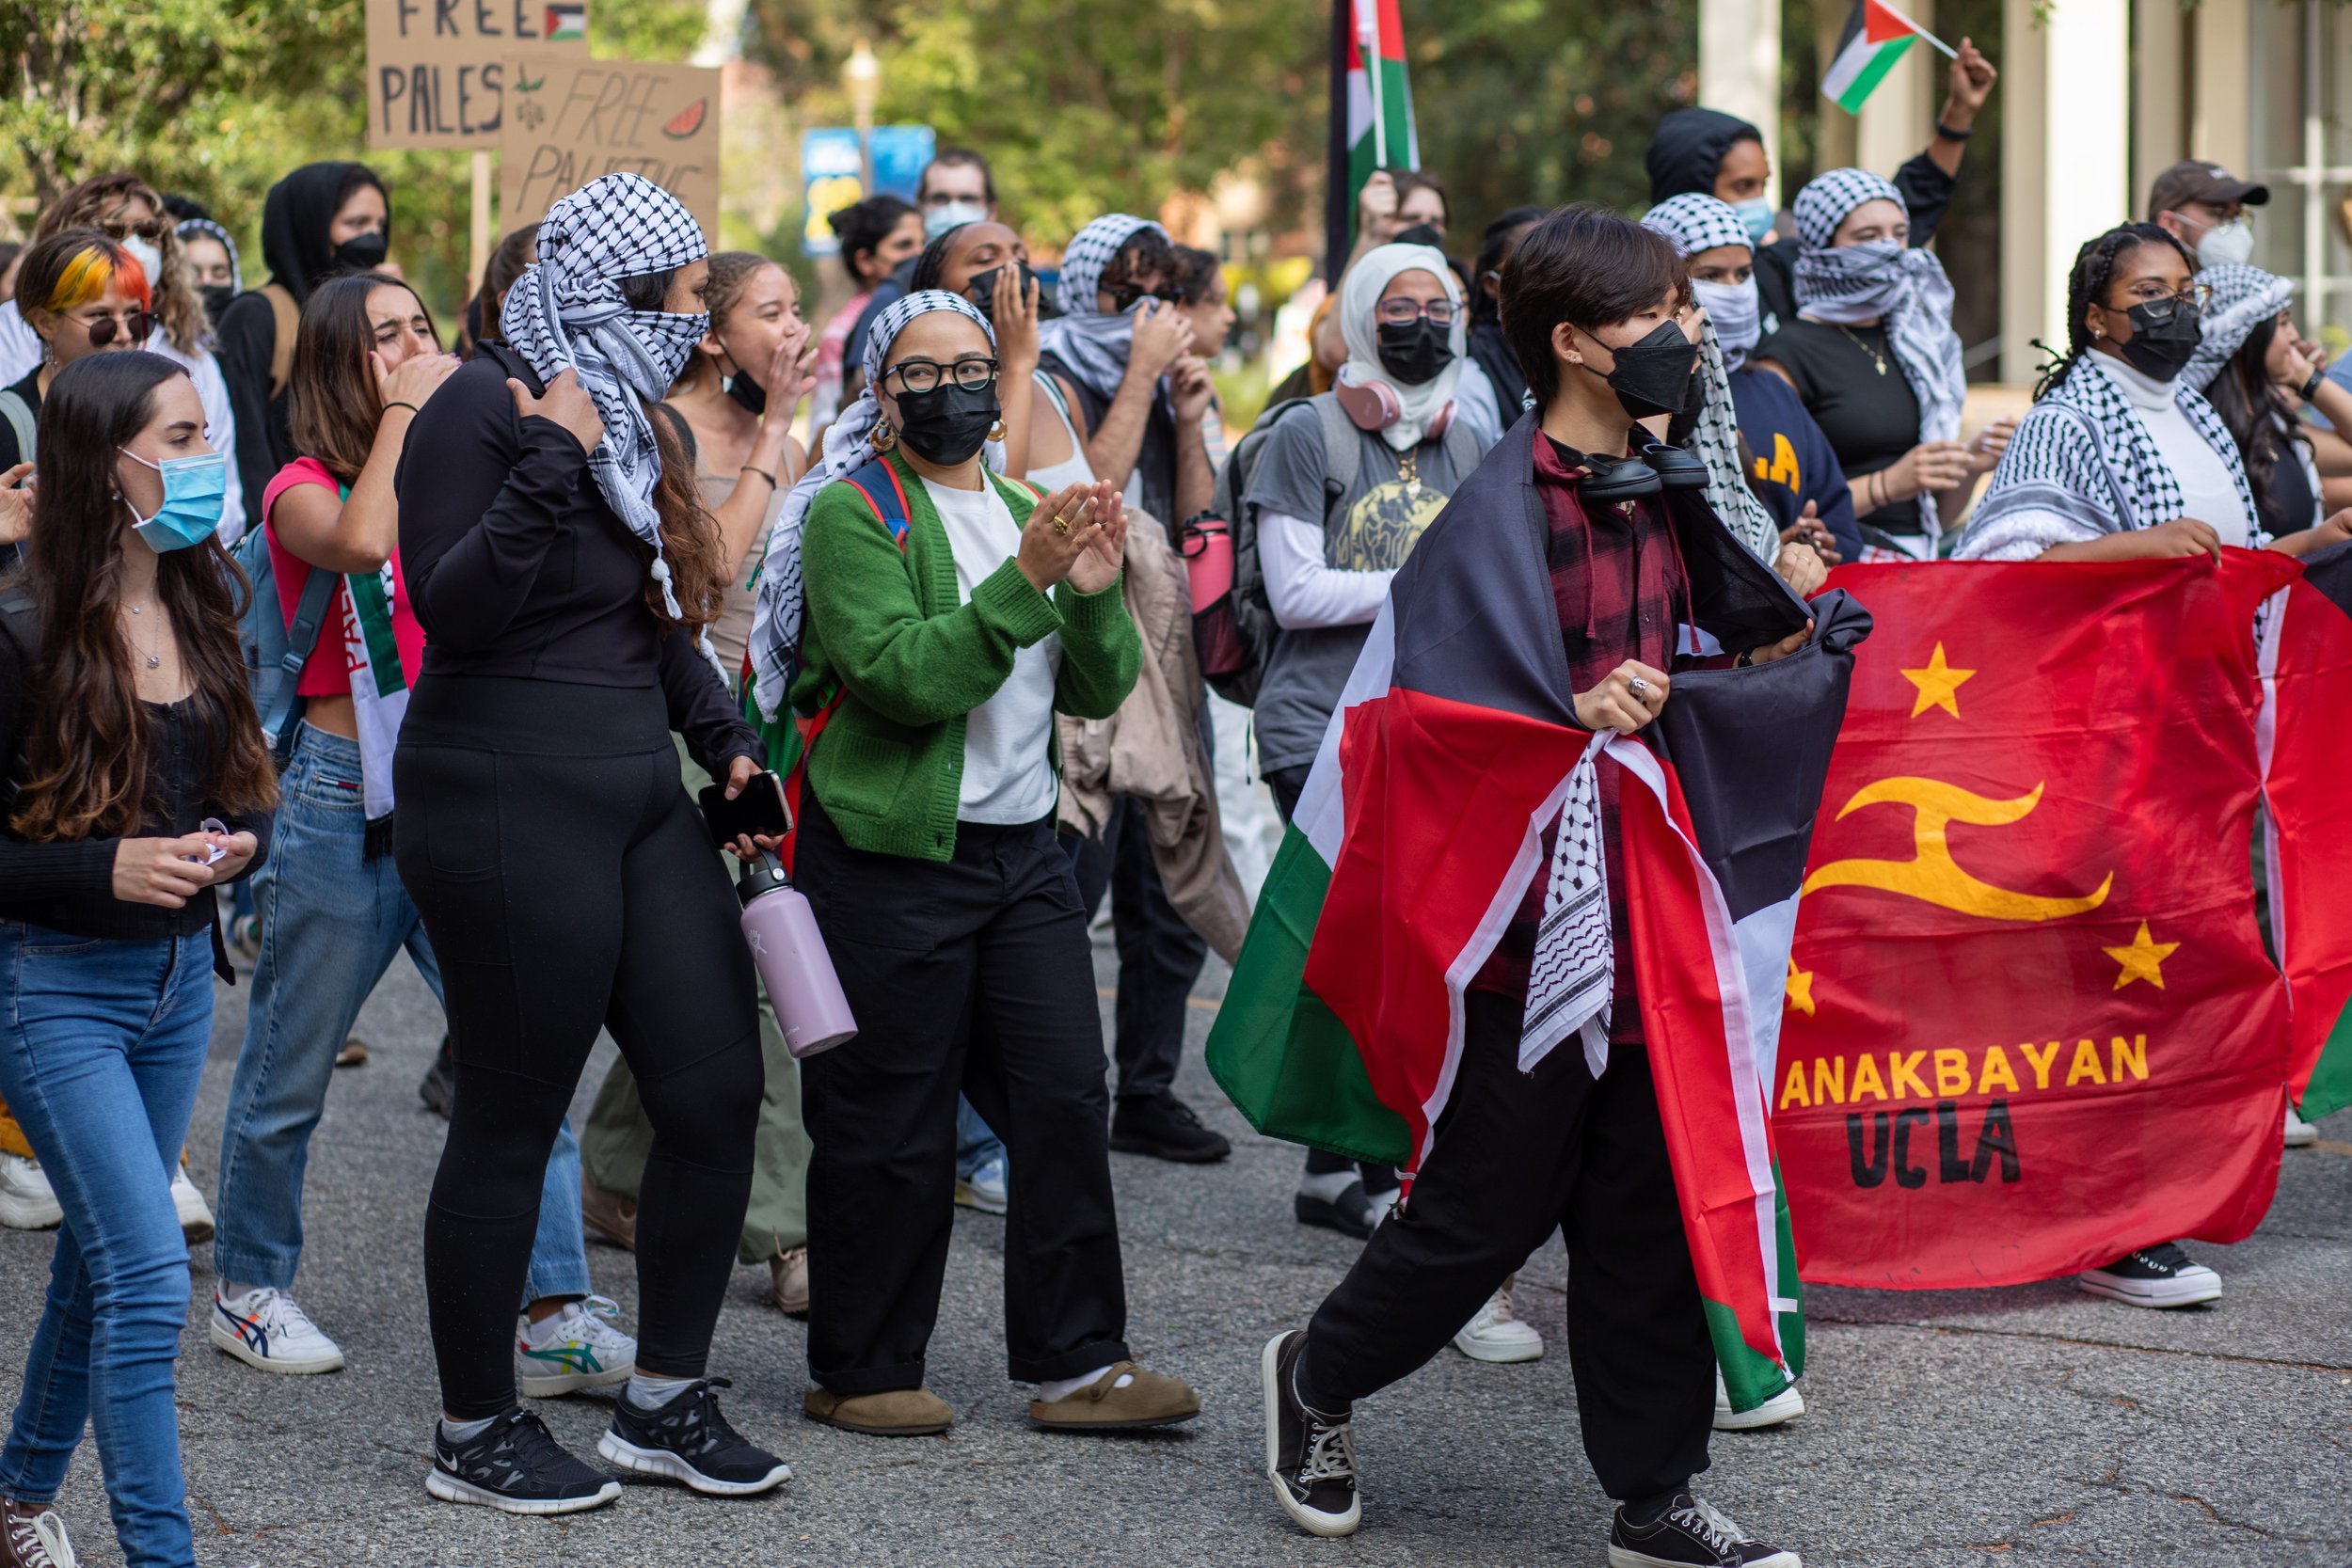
x,y
1621,590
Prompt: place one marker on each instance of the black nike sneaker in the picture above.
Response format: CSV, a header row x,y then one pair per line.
x,y
513,1465
690,1442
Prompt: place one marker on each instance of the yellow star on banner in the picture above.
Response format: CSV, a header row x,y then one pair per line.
x,y
2142,960
1799,989
1937,684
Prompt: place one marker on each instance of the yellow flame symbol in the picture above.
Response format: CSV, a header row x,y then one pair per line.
x,y
1932,876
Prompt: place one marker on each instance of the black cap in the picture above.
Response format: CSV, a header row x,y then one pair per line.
x,y
2192,180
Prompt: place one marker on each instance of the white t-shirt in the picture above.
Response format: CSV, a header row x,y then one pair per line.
x,y
2207,492
1007,760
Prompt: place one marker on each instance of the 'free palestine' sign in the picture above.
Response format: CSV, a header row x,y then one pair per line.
x,y
438,69
571,120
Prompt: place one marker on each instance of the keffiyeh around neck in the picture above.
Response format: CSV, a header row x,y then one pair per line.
x,y
566,312
1092,345
2243,298
781,607
1359,296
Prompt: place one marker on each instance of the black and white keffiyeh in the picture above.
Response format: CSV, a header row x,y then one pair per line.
x,y
2244,297
2083,465
1692,224
781,603
1886,280
1573,977
189,229
566,310
1092,345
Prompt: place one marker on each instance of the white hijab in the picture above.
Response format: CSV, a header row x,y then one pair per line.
x,y
1367,280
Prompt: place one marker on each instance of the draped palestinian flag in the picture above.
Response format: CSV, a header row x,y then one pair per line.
x,y
1875,36
1423,824
1372,111
2305,735
2029,1023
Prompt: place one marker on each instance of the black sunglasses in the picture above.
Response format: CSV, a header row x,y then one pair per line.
x,y
139,325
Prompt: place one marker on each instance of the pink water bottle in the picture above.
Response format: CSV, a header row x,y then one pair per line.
x,y
790,954
1208,551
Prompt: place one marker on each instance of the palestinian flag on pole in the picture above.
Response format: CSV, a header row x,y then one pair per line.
x,y
2306,749
1875,36
1423,823
1372,111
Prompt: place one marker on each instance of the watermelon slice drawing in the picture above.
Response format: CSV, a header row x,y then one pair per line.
x,y
688,121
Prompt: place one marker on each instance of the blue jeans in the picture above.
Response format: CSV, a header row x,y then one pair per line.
x,y
102,1047
977,1144
332,922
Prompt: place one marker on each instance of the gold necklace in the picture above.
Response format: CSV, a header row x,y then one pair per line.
x,y
1408,470
1876,357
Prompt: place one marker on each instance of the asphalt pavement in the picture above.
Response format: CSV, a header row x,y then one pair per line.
x,y
2032,1425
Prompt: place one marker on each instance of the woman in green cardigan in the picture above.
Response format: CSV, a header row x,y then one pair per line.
x,y
928,618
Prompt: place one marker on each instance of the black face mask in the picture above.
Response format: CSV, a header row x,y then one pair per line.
x,y
1652,376
1421,233
362,252
747,392
981,290
1415,351
946,424
2161,348
216,298
1686,417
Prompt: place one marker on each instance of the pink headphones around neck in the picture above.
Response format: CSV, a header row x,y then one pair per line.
x,y
1372,405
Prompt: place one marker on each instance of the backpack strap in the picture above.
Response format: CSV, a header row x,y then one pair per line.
x,y
288,317
1343,453
19,414
685,432
878,482
1460,444
309,618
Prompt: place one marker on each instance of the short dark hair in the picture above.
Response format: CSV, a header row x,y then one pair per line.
x,y
1146,252
1493,246
1589,267
959,157
862,226
1410,180
1197,273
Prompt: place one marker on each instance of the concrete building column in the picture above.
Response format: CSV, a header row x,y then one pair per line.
x,y
2160,92
2065,160
1740,68
2221,119
1900,115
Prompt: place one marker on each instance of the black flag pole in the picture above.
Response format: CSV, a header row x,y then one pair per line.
x,y
1338,222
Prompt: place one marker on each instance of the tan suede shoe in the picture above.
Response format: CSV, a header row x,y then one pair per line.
x,y
787,1282
608,1214
899,1413
1149,1401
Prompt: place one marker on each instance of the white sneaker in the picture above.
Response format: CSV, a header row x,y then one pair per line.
x,y
2299,1133
1787,1406
581,1347
1496,1334
195,1220
264,1328
26,1200
2157,1277
988,1189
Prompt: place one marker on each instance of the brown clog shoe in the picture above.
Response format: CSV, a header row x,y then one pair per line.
x,y
1148,1400
898,1412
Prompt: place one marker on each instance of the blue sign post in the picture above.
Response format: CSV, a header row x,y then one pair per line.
x,y
832,175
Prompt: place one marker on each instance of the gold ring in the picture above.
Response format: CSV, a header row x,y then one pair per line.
x,y
1061,525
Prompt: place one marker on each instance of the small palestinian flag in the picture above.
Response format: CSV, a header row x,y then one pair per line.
x,y
1371,110
1875,38
567,22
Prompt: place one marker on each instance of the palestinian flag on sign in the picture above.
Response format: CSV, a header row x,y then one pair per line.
x,y
1372,111
1421,827
1874,39
567,21
2306,745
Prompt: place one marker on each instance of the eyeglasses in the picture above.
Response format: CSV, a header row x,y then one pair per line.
x,y
2196,299
138,326
925,375
1404,312
123,228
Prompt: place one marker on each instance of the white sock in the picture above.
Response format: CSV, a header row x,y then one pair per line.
x,y
1328,1185
465,1432
231,1290
1054,1391
647,1392
540,1332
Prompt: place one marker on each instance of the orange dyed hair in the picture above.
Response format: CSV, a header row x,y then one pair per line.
x,y
68,270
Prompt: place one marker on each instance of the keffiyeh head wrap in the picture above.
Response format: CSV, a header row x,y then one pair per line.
x,y
1092,345
781,607
1367,280
2243,298
1696,223
190,229
566,311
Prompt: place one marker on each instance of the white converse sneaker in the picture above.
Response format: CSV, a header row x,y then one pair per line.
x,y
2299,1133
1787,1406
264,1328
1496,1334
581,1347
195,1220
2157,1277
26,1200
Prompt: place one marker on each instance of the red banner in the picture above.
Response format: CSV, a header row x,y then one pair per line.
x,y
2029,1024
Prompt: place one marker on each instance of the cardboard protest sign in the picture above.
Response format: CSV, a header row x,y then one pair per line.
x,y
438,68
571,120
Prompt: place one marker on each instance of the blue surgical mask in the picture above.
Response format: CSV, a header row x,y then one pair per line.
x,y
1737,315
194,489
1756,216
951,215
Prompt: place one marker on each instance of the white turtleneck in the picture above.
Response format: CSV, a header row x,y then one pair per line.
x,y
2207,492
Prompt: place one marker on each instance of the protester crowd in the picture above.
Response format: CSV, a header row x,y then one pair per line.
x,y
314,629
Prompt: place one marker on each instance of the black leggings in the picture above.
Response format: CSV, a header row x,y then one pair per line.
x,y
568,885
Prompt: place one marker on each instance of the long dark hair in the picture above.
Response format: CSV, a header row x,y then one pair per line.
x,y
88,746
690,538
2087,284
508,261
2257,413
332,401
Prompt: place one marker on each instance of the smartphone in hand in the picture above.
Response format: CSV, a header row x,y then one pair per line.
x,y
759,812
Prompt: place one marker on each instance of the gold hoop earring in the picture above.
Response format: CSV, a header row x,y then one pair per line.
x,y
996,431
884,437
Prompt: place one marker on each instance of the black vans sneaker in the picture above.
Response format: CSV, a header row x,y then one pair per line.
x,y
1692,1533
2160,1276
1310,1456
687,1441
515,1466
